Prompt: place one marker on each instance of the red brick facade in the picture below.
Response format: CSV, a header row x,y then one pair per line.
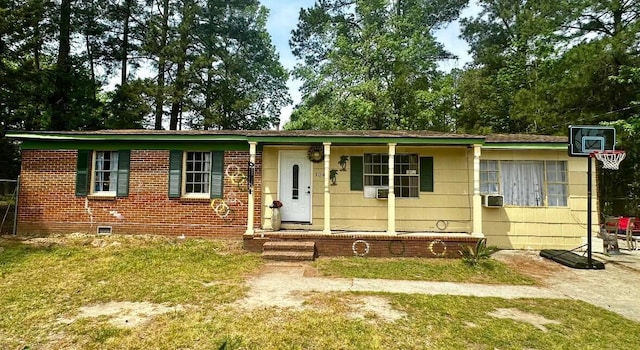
x,y
48,203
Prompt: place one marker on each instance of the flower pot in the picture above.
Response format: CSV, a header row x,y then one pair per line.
x,y
275,219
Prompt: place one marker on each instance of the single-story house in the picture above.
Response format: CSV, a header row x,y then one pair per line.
x,y
376,193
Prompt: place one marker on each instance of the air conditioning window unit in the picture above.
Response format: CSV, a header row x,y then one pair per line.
x,y
492,200
382,193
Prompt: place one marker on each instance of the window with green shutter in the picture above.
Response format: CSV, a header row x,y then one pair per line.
x,y
175,174
356,175
194,174
103,173
82,172
426,174
124,158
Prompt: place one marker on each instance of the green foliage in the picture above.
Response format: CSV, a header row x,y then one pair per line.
x,y
476,256
372,65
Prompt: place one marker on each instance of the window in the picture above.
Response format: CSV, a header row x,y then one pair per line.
x,y
526,183
195,174
557,183
105,172
406,177
102,173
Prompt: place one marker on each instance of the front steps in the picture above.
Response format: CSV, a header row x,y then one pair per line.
x,y
289,250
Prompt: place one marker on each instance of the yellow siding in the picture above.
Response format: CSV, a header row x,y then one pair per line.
x,y
542,227
450,203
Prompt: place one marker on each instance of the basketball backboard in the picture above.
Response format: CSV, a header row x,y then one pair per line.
x,y
585,139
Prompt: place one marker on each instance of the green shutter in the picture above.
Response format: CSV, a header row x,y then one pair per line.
x,y
356,173
82,172
123,173
426,174
175,174
217,174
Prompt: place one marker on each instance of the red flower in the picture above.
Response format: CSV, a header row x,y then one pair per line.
x,y
276,204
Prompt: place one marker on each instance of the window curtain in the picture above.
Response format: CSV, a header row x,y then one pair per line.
x,y
557,183
522,183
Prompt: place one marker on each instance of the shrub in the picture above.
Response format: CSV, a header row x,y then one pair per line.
x,y
473,256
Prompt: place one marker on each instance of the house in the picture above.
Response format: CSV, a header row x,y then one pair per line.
x,y
375,193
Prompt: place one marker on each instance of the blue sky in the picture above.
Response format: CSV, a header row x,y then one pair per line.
x,y
283,17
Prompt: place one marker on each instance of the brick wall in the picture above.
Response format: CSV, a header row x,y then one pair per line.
x,y
48,203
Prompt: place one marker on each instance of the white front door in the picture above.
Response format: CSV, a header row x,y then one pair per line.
x,y
295,186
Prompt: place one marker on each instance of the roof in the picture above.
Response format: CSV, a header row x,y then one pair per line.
x,y
406,137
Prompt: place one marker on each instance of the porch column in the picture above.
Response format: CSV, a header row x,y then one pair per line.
x,y
250,199
476,224
327,195
391,201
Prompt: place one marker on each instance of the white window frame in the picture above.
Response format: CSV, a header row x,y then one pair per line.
x,y
403,170
559,179
205,170
98,173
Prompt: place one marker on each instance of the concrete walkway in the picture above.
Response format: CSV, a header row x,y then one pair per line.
x,y
615,288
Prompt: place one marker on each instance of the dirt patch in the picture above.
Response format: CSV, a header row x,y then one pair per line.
x,y
529,263
521,316
614,288
374,307
123,314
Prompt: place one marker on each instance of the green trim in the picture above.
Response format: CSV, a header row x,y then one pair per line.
x,y
525,146
217,174
363,140
175,174
356,173
122,189
56,137
146,145
426,174
82,172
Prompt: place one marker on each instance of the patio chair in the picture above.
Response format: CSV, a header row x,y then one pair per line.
x,y
609,234
632,241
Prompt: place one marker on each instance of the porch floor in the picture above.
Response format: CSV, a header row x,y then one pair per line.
x,y
369,243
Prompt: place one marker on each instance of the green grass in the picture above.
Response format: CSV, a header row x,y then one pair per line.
x,y
39,284
445,270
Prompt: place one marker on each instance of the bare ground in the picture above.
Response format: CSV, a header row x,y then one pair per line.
x,y
615,288
293,285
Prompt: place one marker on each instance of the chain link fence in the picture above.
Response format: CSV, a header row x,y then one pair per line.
x,y
8,205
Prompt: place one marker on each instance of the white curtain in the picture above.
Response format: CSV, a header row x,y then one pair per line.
x,y
522,183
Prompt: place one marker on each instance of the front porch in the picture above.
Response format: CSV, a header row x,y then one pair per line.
x,y
368,244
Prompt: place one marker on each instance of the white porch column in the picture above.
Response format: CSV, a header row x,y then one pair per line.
x,y
327,195
251,204
476,225
391,201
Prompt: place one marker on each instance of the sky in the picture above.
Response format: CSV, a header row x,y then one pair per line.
x,y
283,17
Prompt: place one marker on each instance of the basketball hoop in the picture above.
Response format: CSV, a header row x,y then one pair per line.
x,y
610,159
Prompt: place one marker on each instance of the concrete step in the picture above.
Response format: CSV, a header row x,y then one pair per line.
x,y
284,255
289,245
289,250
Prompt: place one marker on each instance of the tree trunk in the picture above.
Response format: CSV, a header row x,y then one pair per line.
x,y
60,97
125,43
162,62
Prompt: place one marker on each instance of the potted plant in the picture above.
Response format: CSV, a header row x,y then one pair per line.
x,y
276,220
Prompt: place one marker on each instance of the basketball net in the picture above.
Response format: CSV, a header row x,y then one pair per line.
x,y
610,159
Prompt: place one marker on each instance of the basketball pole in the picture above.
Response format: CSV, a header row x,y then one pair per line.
x,y
589,186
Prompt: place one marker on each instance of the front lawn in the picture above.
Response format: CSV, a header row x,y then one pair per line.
x,y
62,293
